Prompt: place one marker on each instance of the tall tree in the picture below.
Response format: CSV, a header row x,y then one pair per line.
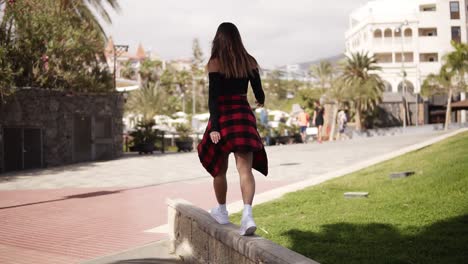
x,y
440,83
128,72
323,73
150,71
50,44
87,10
363,85
338,95
147,101
451,77
198,72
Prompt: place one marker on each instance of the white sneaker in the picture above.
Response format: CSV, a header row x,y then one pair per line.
x,y
220,216
248,226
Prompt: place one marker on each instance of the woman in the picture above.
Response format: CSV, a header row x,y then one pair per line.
x,y
232,126
318,120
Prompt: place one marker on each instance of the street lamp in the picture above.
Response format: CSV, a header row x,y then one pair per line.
x,y
118,50
403,72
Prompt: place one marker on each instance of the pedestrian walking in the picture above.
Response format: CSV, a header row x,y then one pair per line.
x,y
318,120
232,125
303,121
342,122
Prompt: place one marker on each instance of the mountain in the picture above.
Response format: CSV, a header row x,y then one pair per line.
x,y
334,60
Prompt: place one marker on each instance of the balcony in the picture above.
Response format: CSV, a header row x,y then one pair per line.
x,y
429,44
389,45
427,68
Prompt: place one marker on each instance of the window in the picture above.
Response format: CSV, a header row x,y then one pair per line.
x,y
384,57
428,32
455,10
408,57
456,34
387,33
429,57
428,8
408,32
378,33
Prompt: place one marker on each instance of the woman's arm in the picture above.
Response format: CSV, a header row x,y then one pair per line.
x,y
213,90
256,84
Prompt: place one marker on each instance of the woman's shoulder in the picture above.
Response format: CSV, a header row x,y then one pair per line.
x,y
253,63
213,66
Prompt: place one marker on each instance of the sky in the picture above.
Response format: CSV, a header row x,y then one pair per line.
x,y
276,32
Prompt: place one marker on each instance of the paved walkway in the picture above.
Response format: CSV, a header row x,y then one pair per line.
x,y
76,213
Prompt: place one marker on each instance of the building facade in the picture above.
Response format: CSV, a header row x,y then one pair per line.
x,y
408,37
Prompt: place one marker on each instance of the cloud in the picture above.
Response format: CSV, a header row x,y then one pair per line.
x,y
277,32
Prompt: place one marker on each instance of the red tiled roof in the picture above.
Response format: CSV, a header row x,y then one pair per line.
x,y
140,54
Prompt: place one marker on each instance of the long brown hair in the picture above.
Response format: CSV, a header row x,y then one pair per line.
x,y
233,59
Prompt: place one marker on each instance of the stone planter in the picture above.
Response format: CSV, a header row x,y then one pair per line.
x,y
283,140
145,148
184,145
297,138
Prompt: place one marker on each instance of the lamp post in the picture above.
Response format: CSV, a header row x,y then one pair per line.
x,y
403,72
118,50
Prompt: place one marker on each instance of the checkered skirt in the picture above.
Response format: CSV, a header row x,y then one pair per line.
x,y
238,129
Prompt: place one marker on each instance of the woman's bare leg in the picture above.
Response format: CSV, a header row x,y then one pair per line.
x,y
247,181
319,132
220,183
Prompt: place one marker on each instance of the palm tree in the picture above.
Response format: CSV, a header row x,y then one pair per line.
x,y
440,83
364,86
338,95
146,101
451,77
128,72
323,73
150,71
87,10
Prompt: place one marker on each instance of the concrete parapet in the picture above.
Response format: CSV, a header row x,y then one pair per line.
x,y
197,238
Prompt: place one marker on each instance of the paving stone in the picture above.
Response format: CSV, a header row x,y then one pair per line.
x,y
401,174
356,194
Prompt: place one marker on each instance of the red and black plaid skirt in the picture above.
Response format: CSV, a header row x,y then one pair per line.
x,y
238,129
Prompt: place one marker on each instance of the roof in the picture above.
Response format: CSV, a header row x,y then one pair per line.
x,y
388,8
140,54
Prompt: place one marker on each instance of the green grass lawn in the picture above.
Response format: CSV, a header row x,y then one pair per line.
x,y
420,219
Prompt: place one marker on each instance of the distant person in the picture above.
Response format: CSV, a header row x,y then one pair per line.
x,y
342,122
264,123
303,121
318,120
283,118
232,125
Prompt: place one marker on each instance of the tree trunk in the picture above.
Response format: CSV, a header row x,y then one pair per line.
x,y
358,119
333,125
448,115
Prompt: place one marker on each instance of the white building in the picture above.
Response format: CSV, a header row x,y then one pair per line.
x,y
421,30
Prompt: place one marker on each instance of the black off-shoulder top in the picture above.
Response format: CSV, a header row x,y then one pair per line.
x,y
220,85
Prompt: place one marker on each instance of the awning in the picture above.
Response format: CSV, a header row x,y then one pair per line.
x,y
460,105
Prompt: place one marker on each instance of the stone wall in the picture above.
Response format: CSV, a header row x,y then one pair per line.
x,y
53,112
197,238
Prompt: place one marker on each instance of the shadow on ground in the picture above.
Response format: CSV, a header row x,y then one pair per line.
x,y
75,167
146,261
442,242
